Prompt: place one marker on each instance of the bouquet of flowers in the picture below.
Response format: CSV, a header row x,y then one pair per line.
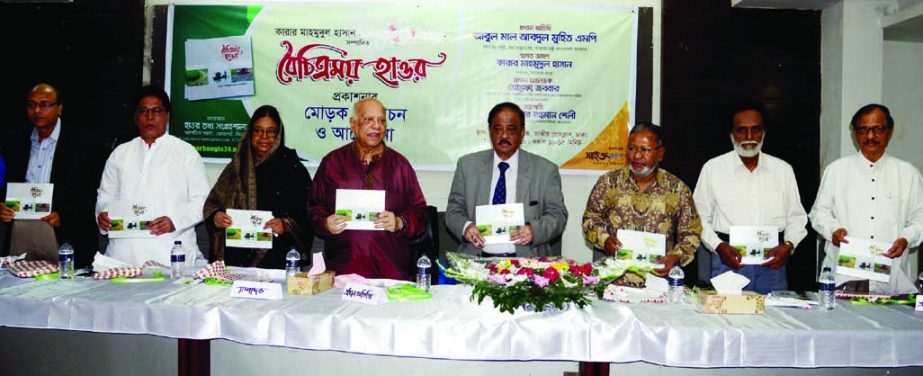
x,y
540,283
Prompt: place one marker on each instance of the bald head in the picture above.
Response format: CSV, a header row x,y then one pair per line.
x,y
368,123
43,107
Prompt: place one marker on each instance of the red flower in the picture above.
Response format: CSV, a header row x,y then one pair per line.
x,y
505,271
492,268
515,263
551,274
587,268
543,259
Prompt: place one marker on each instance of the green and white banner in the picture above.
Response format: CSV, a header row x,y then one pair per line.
x,y
438,68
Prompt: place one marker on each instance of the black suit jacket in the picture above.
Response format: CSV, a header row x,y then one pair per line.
x,y
75,173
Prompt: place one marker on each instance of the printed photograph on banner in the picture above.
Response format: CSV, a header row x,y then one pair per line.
x,y
753,242
497,223
130,219
437,75
361,206
641,246
863,258
29,200
218,68
247,229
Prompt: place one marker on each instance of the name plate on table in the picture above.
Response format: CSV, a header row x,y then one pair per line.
x,y
28,200
365,294
130,219
919,306
497,222
753,242
361,206
247,229
642,247
256,290
863,258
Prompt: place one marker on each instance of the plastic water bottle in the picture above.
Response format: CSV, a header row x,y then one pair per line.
x,y
177,260
826,286
423,278
920,284
66,261
676,293
292,259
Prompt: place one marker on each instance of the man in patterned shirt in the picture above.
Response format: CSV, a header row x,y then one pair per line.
x,y
643,197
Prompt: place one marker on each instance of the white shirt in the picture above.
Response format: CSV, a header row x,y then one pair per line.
x,y
881,200
510,177
728,193
168,177
41,155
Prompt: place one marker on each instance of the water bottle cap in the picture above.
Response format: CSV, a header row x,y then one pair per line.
x,y
177,242
827,269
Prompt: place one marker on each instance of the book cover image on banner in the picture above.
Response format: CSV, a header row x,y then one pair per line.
x,y
218,68
437,68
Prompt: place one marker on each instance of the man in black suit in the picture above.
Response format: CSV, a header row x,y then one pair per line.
x,y
73,156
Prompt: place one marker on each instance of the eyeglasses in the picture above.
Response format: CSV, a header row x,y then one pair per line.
x,y
878,130
743,131
40,105
156,111
643,150
260,132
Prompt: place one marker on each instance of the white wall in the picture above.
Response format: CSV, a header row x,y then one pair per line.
x,y
436,184
903,94
851,71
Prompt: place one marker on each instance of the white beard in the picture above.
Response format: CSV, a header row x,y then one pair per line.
x,y
645,171
747,152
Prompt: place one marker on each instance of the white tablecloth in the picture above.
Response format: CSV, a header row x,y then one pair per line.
x,y
451,327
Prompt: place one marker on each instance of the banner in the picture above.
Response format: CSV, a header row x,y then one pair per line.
x,y
438,69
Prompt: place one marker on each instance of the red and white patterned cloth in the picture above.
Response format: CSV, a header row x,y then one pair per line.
x,y
118,272
29,269
214,270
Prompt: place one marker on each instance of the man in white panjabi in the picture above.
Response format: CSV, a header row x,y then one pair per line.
x,y
160,172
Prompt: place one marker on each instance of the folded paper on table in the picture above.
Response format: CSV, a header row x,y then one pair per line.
x,y
366,294
247,229
361,206
642,247
29,200
864,258
256,290
753,242
130,219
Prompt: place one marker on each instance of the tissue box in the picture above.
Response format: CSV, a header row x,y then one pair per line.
x,y
748,303
304,284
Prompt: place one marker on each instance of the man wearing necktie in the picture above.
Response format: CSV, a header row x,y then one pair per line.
x,y
507,174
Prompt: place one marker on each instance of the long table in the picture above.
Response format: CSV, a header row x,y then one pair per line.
x,y
451,327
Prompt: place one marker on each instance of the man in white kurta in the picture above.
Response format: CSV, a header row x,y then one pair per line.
x,y
873,196
746,187
163,173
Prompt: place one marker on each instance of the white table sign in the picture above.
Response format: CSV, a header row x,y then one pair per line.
x,y
356,292
256,290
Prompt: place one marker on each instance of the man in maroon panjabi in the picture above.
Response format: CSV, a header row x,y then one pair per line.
x,y
367,163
